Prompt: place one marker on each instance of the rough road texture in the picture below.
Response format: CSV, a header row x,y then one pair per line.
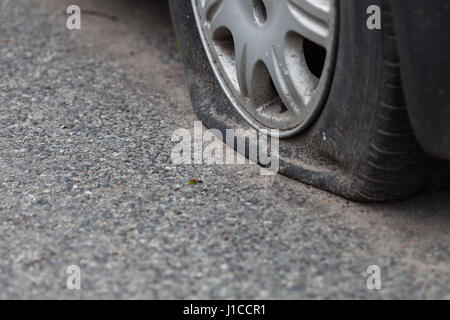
x,y
85,124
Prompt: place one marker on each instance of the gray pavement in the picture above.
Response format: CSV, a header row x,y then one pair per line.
x,y
86,179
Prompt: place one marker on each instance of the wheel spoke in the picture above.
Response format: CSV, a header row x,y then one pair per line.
x,y
244,67
291,77
228,14
320,9
220,18
279,74
310,19
211,8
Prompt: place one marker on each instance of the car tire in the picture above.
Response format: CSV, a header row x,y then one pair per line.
x,y
361,145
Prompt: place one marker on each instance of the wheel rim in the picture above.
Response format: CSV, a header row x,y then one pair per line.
x,y
273,58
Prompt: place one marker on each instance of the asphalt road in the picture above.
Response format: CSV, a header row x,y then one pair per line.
x,y
86,179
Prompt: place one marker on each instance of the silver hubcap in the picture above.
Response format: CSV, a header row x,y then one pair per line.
x,y
273,58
